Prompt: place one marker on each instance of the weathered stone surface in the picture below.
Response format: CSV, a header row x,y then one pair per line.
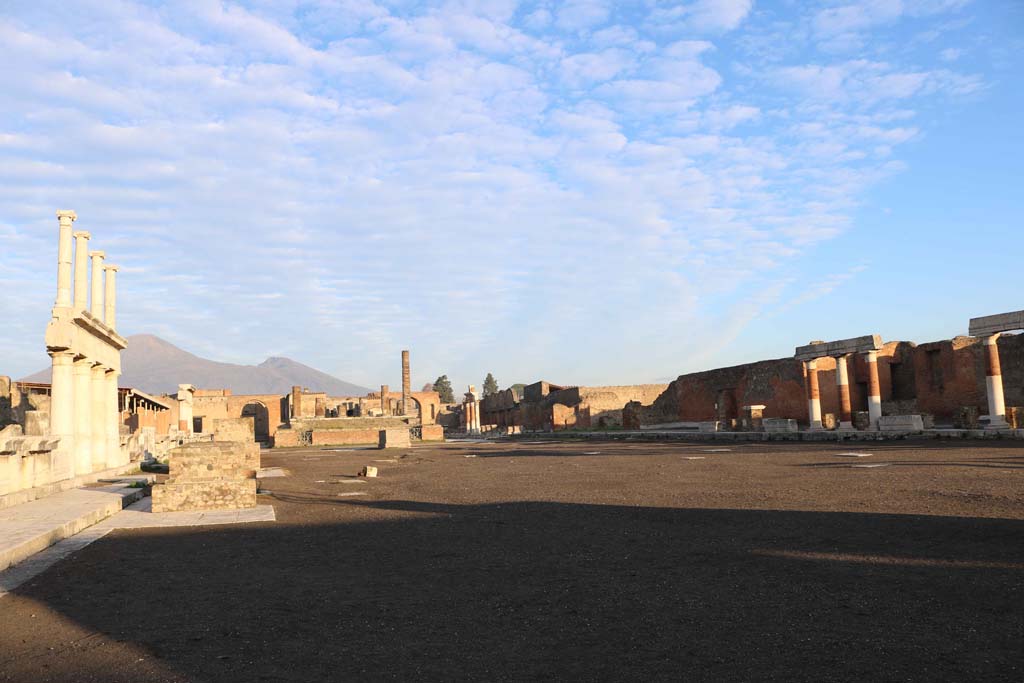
x,y
901,423
709,426
777,424
394,438
234,429
369,471
209,476
993,324
432,433
815,350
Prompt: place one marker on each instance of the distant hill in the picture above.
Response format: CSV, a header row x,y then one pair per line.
x,y
158,367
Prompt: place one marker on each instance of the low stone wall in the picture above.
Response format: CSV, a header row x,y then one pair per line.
x,y
209,476
432,432
286,438
344,437
349,423
394,438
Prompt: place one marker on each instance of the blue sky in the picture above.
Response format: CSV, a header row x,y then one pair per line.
x,y
586,192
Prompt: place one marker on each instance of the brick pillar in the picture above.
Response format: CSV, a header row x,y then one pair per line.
x,y
994,385
296,403
384,406
813,396
406,389
874,389
843,385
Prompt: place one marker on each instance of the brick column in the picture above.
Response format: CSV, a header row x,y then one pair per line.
x,y
994,385
385,406
813,396
406,389
843,385
874,389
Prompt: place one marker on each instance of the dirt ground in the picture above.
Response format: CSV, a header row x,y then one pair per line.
x,y
562,561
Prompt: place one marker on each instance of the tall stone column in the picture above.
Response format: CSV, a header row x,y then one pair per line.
x,y
82,372
110,297
385,406
65,219
843,385
994,385
406,389
81,295
874,389
96,303
62,401
813,396
113,418
185,408
98,413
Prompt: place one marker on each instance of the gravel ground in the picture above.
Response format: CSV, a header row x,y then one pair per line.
x,y
562,561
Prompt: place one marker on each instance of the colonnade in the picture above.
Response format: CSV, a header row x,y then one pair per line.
x,y
471,411
842,351
85,353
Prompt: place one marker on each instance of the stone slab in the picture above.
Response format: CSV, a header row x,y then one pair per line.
x,y
993,324
394,438
901,423
34,526
871,342
778,424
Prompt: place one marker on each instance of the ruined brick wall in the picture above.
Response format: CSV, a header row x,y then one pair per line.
x,y
432,433
209,476
267,410
234,429
344,437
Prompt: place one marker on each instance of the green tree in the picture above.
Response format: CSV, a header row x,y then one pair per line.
x,y
490,385
443,386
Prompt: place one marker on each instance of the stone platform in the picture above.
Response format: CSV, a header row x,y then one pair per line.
x,y
31,527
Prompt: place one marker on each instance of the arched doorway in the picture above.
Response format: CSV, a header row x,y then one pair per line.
x,y
260,418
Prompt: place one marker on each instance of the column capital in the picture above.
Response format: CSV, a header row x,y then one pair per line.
x,y
66,215
811,364
81,234
991,339
112,267
871,355
64,356
97,254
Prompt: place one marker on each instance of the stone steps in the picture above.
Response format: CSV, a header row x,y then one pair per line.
x,y
28,528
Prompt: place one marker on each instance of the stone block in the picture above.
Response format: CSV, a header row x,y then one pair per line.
x,y
394,438
432,433
815,350
209,476
828,421
901,423
368,471
708,426
777,425
968,417
234,429
862,420
1015,417
37,423
992,324
208,495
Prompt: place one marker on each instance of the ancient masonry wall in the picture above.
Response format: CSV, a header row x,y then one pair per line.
x,y
209,476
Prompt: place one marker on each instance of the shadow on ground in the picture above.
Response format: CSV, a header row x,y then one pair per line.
x,y
547,591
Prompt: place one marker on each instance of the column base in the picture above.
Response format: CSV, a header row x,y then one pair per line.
x,y
846,427
815,427
996,422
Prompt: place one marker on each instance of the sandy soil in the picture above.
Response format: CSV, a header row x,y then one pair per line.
x,y
562,561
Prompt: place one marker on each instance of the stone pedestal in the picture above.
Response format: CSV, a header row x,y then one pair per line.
x,y
394,438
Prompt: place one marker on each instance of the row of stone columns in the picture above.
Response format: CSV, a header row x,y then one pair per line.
x,y
471,411
83,393
843,388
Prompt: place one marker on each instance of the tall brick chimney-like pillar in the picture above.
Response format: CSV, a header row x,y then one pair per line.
x,y
406,389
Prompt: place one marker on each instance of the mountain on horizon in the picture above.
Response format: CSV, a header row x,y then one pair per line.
x,y
156,366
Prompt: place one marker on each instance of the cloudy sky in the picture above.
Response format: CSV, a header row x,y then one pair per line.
x,y
584,192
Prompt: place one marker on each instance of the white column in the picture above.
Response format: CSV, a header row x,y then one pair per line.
x,y
98,427
813,396
65,218
82,373
62,400
110,297
185,407
81,294
994,385
96,304
113,416
874,390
